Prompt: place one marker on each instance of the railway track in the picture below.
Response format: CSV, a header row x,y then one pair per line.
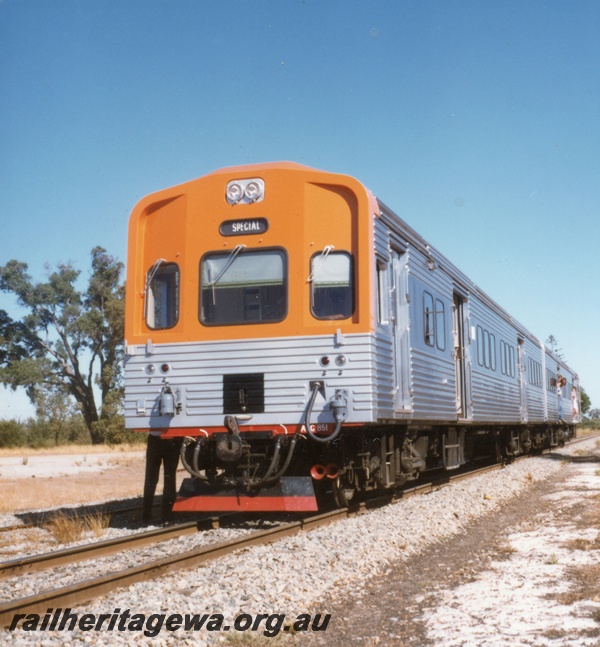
x,y
83,592
44,518
95,550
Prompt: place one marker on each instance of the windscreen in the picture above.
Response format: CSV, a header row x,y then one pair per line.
x,y
243,288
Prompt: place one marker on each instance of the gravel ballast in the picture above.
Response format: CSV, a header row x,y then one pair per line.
x,y
292,576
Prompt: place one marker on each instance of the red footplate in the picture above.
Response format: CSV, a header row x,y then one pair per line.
x,y
291,494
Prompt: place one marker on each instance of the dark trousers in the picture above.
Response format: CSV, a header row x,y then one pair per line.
x,y
165,452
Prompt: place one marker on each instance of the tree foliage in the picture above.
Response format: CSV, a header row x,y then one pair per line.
x,y
70,340
42,432
552,344
586,403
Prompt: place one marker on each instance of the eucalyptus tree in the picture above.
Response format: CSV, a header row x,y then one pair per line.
x,y
69,339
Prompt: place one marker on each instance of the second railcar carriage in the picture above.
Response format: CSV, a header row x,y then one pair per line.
x,y
296,333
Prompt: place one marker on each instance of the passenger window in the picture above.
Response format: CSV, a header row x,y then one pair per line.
x,y
332,285
480,354
428,319
383,293
162,296
440,324
486,349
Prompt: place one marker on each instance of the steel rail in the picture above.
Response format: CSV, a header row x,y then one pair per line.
x,y
98,549
85,591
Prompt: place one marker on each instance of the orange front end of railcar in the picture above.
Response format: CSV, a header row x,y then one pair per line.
x,y
302,211
250,304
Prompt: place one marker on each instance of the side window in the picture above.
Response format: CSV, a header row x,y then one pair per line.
x,y
332,285
507,359
428,319
440,325
535,373
480,343
162,296
486,348
383,293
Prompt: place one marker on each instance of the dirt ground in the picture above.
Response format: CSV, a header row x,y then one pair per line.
x,y
528,575
38,480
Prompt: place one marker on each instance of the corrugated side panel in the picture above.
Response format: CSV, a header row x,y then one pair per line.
x,y
288,364
433,387
556,366
383,367
535,394
433,373
495,397
383,346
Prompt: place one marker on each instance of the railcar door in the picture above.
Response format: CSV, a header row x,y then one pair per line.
x,y
400,315
522,380
460,358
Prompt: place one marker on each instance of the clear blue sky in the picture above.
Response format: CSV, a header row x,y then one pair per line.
x,y
477,122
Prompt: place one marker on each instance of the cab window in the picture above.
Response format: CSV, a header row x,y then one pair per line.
x,y
243,287
162,296
332,285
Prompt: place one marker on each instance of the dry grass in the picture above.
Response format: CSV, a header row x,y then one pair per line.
x,y
584,544
68,528
505,549
126,480
26,452
592,513
587,580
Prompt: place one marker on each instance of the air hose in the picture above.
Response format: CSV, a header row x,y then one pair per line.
x,y
339,411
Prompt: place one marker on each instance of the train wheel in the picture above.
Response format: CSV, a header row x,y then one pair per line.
x,y
343,492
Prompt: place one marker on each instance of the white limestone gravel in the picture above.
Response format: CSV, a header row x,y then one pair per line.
x,y
292,575
531,597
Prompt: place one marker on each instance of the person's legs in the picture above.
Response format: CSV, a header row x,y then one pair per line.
x,y
170,461
153,460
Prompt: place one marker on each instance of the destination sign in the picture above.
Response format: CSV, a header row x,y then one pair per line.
x,y
244,227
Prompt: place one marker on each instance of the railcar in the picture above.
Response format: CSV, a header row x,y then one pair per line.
x,y
301,337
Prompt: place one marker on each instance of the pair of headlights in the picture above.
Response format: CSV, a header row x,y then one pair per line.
x,y
245,191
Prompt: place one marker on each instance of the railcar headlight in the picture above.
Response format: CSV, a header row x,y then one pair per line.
x,y
234,192
253,191
150,369
245,191
341,360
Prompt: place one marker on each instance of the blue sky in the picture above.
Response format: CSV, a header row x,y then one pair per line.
x,y
477,122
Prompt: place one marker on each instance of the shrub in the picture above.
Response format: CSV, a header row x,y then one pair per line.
x,y
12,433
